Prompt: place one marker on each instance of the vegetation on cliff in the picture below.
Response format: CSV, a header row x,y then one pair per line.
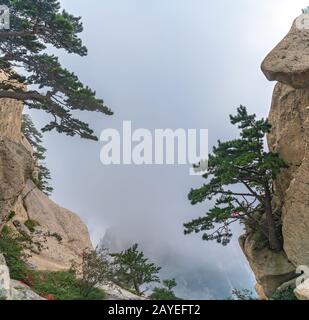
x,y
240,181
36,25
133,269
34,136
129,269
65,285
166,292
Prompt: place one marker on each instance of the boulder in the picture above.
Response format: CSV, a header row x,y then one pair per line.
x,y
288,62
11,289
302,291
5,281
21,291
271,269
114,292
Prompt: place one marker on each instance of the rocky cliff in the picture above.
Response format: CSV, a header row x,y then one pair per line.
x,y
60,236
287,63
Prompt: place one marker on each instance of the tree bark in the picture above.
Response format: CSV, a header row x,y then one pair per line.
x,y
274,240
136,287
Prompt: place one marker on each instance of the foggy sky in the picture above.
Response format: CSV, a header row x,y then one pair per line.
x,y
164,64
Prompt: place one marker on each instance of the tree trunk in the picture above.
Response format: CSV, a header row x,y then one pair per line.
x,y
136,287
274,240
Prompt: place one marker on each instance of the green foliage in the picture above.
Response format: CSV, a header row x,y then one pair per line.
x,y
286,295
51,285
61,286
242,295
11,216
36,25
165,293
132,269
94,270
34,137
169,284
32,224
239,181
12,247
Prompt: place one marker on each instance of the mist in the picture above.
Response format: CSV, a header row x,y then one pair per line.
x,y
164,64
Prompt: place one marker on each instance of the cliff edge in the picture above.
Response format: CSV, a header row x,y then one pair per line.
x,y
287,63
60,235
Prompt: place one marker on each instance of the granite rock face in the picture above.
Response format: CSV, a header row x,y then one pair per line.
x,y
60,233
302,291
271,269
288,63
61,236
11,289
289,117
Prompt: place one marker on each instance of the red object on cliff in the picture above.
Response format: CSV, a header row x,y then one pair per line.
x,y
236,214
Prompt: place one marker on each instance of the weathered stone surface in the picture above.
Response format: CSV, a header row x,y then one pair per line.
x,y
287,285
10,118
296,217
289,116
114,292
16,165
260,292
62,233
11,289
16,162
289,135
288,62
5,288
302,291
22,292
271,269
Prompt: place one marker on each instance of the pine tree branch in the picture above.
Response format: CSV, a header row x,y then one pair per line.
x,y
10,34
235,193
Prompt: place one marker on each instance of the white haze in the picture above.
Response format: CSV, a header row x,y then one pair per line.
x,y
165,64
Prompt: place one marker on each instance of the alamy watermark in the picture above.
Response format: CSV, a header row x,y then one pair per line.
x,y
160,147
4,17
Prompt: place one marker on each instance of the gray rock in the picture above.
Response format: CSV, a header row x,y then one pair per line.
x,y
302,291
23,292
288,62
5,288
11,289
271,269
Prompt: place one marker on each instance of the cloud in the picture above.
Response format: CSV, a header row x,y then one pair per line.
x,y
165,64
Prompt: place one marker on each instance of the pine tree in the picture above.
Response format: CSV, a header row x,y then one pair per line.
x,y
34,137
167,292
240,182
36,25
132,269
